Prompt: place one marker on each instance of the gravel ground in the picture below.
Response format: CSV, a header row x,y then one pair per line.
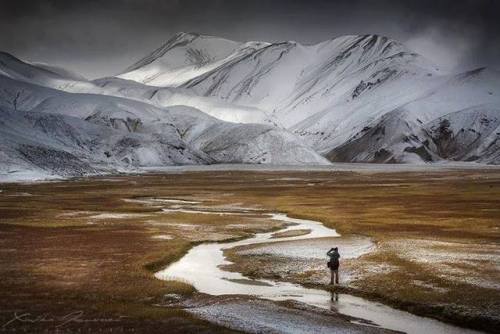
x,y
268,317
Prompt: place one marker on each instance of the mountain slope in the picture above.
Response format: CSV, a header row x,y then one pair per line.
x,y
456,120
168,96
185,56
294,81
40,74
60,79
51,132
334,95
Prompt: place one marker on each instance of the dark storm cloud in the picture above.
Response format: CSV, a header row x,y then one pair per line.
x,y
102,37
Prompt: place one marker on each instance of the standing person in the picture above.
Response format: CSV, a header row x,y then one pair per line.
x,y
333,264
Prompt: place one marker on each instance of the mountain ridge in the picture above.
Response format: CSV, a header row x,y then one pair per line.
x,y
345,83
200,99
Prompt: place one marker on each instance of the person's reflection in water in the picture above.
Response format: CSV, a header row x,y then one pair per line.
x,y
335,297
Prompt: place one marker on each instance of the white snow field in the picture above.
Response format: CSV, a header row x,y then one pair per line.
x,y
207,100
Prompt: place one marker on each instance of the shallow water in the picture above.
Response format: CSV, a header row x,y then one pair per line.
x,y
201,267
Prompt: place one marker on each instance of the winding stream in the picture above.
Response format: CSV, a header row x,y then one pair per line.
x,y
201,267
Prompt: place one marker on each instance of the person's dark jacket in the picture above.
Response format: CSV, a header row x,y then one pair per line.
x,y
334,255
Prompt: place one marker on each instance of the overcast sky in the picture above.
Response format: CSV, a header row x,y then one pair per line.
x,y
99,38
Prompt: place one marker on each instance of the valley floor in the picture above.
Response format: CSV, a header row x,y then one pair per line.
x,y
81,254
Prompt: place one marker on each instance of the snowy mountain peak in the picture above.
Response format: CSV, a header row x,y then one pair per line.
x,y
188,58
180,38
42,74
183,56
16,68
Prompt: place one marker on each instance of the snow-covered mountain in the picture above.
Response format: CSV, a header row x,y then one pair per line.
x,y
333,93
46,131
201,99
